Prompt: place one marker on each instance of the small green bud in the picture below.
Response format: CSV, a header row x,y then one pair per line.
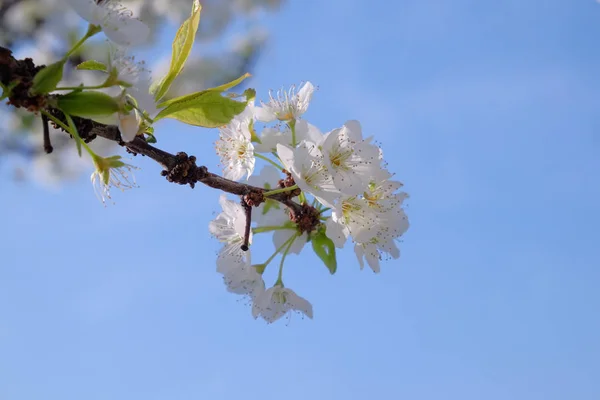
x,y
250,94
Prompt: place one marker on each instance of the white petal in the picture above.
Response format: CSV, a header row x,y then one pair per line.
x,y
336,232
299,303
373,261
331,139
269,138
308,132
126,32
89,10
228,206
264,114
304,97
360,253
286,154
349,182
353,130
129,125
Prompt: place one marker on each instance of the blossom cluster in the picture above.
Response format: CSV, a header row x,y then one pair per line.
x,y
343,172
338,180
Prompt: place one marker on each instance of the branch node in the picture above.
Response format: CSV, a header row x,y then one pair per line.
x,y
289,182
254,198
184,172
307,218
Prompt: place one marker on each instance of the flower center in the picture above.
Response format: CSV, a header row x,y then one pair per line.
x,y
339,158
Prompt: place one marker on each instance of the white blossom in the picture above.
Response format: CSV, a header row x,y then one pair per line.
x,y
235,148
352,161
372,250
229,226
381,196
124,69
374,221
286,105
239,275
352,217
277,301
306,166
111,172
271,137
116,21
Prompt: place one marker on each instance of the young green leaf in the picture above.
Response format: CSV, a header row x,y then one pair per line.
x,y
207,109
92,65
220,88
233,83
325,250
7,90
74,132
150,132
47,78
88,104
182,46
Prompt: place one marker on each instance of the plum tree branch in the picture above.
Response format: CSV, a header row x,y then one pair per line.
x,y
178,168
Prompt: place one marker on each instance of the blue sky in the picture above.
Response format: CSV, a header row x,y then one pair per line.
x,y
487,111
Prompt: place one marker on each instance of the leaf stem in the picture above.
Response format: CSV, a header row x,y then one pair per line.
x,y
292,125
262,229
102,86
285,253
286,243
279,167
92,30
56,120
282,190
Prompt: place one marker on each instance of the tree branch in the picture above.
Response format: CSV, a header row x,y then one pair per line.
x,y
179,168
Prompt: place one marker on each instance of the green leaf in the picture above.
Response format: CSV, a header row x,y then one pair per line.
x,y
47,78
93,65
74,132
233,83
182,46
325,250
150,132
7,90
207,109
221,88
88,104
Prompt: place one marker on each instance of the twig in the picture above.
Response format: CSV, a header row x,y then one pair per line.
x,y
248,211
179,168
47,145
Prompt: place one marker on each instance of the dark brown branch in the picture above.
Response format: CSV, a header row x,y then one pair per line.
x,y
248,212
47,144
